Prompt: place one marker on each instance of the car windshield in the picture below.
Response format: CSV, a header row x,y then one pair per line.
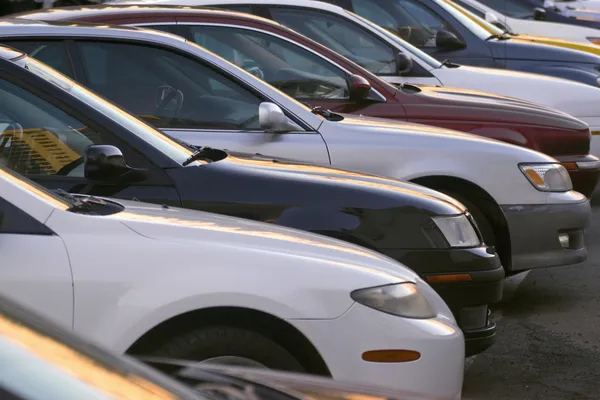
x,y
511,8
414,51
176,151
42,362
478,26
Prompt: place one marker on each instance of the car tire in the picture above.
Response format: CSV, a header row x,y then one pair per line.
x,y
219,341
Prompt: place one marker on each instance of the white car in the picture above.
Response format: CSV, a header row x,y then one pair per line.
x,y
154,280
588,9
527,26
576,99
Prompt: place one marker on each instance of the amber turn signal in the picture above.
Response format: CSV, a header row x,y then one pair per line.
x,y
448,278
391,356
570,166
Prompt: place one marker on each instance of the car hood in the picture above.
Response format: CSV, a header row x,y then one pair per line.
x,y
523,47
449,103
574,98
567,44
357,189
201,228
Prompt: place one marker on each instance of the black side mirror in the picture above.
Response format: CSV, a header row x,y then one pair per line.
x,y
106,163
539,14
404,63
359,88
448,41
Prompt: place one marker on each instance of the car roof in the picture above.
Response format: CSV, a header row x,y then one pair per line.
x,y
191,3
24,27
78,12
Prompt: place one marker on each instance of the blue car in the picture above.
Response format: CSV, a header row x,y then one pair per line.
x,y
442,30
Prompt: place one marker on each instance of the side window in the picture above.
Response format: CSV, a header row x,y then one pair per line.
x,y
288,67
36,138
52,53
340,35
163,28
511,8
16,221
410,20
166,89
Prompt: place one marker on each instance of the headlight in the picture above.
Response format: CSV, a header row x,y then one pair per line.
x,y
402,299
458,231
547,177
595,40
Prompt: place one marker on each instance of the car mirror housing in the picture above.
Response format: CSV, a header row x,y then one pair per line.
x,y
448,41
272,119
107,163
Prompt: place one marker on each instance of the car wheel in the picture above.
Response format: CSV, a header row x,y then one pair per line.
x,y
229,346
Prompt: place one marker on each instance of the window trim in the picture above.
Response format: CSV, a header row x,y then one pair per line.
x,y
348,73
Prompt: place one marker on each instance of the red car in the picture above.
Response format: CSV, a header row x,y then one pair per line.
x,y
260,45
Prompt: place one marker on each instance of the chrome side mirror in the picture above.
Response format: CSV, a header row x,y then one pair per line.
x,y
272,119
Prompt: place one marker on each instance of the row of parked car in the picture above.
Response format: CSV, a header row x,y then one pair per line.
x,y
132,132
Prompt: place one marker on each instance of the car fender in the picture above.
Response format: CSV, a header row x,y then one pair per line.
x,y
557,69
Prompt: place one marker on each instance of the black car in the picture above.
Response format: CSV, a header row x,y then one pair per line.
x,y
44,361
63,136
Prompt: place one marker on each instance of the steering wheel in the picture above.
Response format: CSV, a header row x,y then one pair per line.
x,y
254,69
164,95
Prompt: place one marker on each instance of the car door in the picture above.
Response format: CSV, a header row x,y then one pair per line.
x,y
46,143
418,22
190,100
35,268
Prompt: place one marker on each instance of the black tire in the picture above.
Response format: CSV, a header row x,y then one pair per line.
x,y
489,237
215,341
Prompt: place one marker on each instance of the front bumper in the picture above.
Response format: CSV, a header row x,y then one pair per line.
x,y
536,231
342,341
467,299
584,172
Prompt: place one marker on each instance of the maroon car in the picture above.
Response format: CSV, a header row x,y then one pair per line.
x,y
270,51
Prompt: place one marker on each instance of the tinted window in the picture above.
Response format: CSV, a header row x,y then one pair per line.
x,y
167,89
164,28
511,8
412,21
38,138
340,35
290,68
52,53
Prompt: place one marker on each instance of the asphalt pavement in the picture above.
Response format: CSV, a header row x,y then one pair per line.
x,y
548,344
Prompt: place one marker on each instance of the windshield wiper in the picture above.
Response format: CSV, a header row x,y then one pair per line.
x,y
447,63
201,153
84,203
499,36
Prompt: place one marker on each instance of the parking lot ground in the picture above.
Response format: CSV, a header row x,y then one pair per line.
x,y
548,336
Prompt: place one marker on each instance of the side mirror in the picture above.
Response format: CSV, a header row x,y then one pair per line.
x,y
359,88
272,119
404,63
539,14
448,41
106,163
